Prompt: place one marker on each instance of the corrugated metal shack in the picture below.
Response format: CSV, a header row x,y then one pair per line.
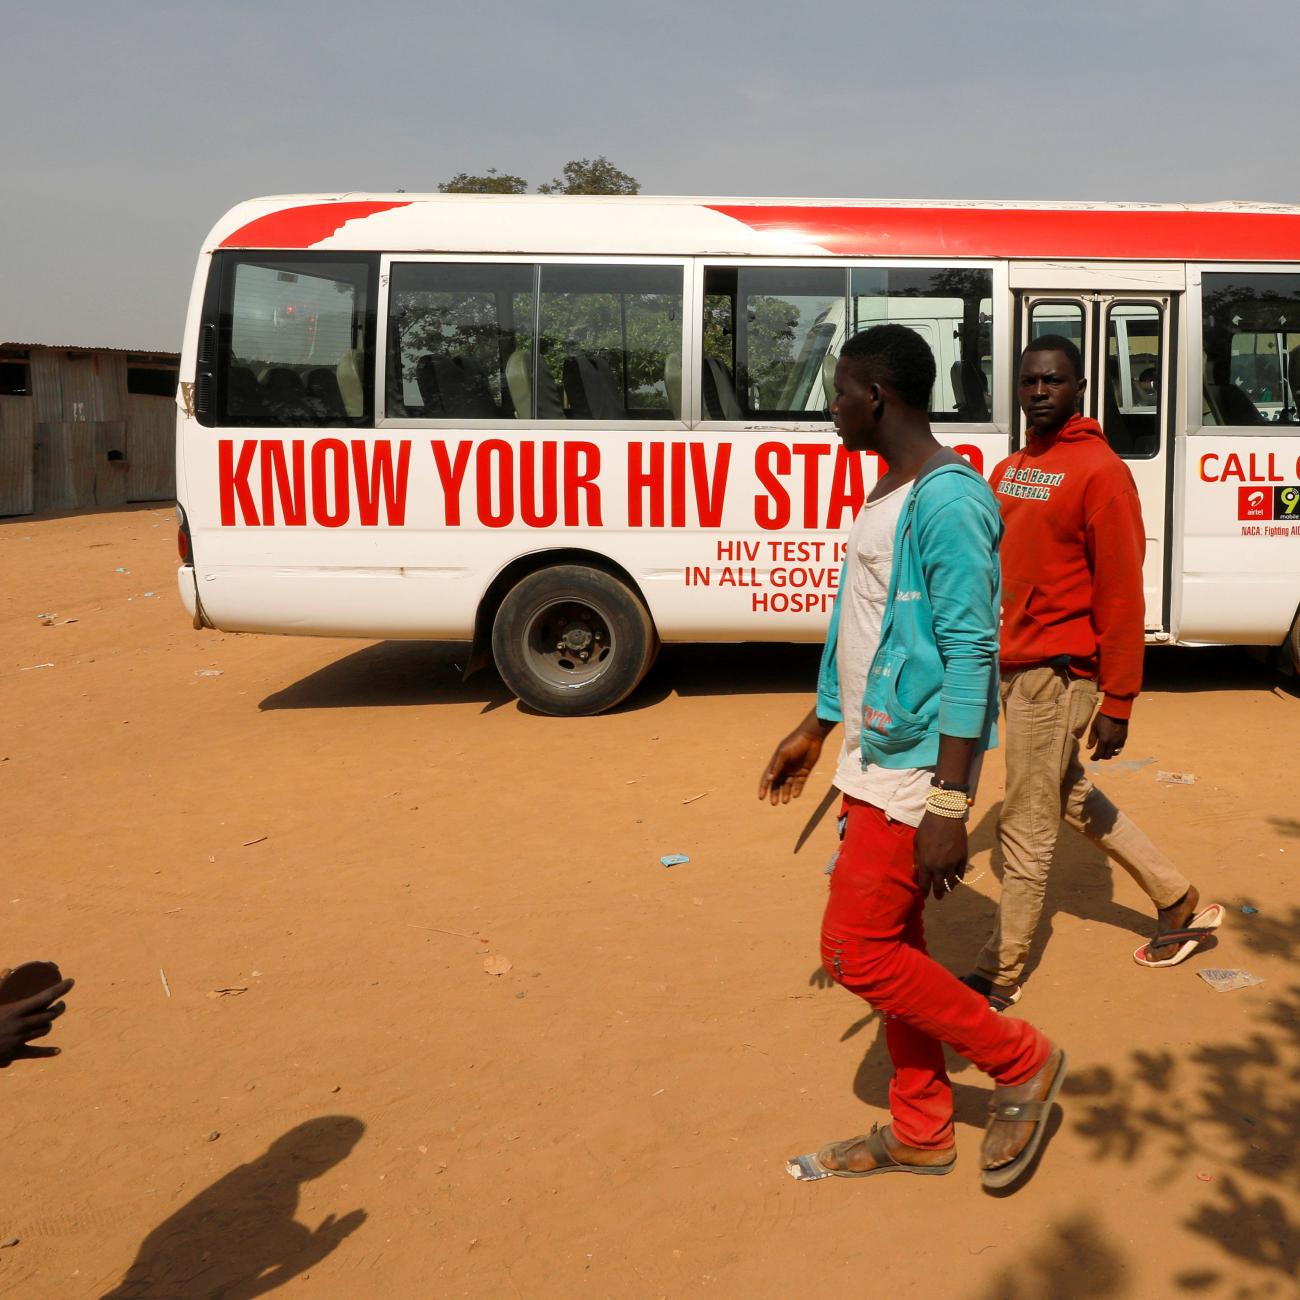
x,y
85,427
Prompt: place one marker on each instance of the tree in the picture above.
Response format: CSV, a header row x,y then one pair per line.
x,y
581,176
592,176
494,182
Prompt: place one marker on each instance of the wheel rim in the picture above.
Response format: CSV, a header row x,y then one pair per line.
x,y
568,643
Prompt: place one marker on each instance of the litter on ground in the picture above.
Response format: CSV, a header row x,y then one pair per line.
x,y
806,1169
674,859
1224,980
1176,778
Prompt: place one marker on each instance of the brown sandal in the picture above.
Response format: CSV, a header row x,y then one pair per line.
x,y
879,1152
1005,1109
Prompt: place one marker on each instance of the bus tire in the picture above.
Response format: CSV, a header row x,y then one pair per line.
x,y
572,641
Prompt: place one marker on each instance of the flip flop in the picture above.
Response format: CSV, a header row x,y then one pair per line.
x,y
885,1163
1189,938
1023,1112
998,1002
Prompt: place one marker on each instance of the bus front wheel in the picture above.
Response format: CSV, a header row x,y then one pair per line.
x,y
572,641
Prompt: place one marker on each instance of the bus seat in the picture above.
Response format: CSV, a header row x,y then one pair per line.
x,y
673,382
519,366
550,400
244,397
454,388
968,387
1234,406
719,393
958,388
829,362
1113,423
519,381
592,388
474,398
286,398
351,389
1232,403
464,388
323,393
1293,375
426,380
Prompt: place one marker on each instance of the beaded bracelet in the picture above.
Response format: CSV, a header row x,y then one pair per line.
x,y
948,803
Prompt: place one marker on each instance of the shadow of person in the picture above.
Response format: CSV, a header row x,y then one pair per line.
x,y
239,1238
970,1101
1081,883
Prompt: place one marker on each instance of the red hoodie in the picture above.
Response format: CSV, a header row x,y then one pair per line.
x,y
1072,560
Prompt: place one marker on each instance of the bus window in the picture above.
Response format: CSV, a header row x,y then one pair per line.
x,y
952,309
1131,398
1250,329
1063,318
295,338
452,330
767,333
610,340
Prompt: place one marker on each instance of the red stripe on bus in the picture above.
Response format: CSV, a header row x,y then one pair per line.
x,y
305,226
1026,232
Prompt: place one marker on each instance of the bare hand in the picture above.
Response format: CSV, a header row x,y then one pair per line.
x,y
21,1022
940,853
784,777
334,1230
1107,736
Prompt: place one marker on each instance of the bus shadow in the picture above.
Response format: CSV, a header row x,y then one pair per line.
x,y
732,668
1179,669
393,673
396,673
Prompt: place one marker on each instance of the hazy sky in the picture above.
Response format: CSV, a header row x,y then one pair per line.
x,y
130,127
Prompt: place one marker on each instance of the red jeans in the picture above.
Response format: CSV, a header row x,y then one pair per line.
x,y
873,943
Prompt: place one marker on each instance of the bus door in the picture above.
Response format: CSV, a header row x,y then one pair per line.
x,y
1129,351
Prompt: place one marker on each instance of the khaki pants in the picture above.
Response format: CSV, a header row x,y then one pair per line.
x,y
1047,715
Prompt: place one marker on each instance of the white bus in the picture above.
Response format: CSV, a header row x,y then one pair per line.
x,y
568,429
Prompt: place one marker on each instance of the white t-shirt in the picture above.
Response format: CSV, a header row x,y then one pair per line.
x,y
898,791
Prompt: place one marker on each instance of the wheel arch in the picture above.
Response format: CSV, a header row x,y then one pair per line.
x,y
520,567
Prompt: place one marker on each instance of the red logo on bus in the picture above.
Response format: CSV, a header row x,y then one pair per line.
x,y
1254,503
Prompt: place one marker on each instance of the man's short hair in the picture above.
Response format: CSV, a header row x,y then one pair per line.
x,y
1058,343
897,356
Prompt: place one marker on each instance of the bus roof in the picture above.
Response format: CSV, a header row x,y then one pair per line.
x,y
689,227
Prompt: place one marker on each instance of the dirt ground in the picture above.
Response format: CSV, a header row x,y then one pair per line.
x,y
320,849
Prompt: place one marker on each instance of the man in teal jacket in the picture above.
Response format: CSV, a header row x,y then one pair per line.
x,y
910,668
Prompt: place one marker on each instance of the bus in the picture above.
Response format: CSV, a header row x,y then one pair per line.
x,y
569,429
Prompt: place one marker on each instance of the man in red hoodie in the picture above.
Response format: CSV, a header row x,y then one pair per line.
x,y
1072,630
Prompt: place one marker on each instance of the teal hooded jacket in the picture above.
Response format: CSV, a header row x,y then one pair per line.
x,y
936,668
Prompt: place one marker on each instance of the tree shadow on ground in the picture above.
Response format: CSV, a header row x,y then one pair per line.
x,y
1074,1261
238,1238
1223,1120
